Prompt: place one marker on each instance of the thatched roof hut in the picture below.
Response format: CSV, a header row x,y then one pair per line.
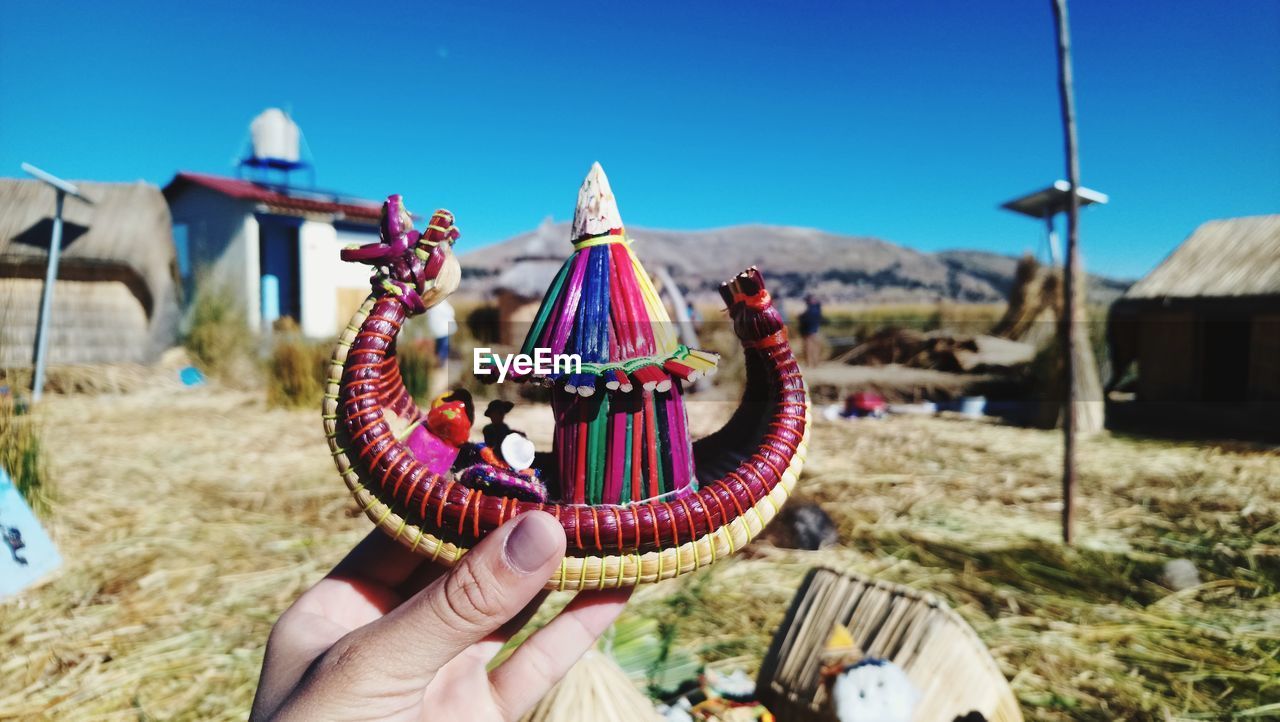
x,y
1230,258
535,267
116,299
520,286
1204,326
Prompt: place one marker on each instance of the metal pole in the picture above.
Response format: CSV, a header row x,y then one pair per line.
x,y
1051,232
46,301
1068,334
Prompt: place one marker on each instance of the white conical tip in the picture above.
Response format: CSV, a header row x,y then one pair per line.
x,y
597,211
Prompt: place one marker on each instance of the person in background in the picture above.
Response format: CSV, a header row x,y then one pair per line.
x,y
810,326
496,430
441,321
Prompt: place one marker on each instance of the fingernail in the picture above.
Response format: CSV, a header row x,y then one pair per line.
x,y
532,543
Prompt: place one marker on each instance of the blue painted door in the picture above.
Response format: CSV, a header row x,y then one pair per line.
x,y
278,256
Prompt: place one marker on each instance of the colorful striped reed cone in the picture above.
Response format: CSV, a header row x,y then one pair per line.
x,y
621,428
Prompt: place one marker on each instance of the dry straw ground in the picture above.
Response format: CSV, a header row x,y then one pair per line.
x,y
190,518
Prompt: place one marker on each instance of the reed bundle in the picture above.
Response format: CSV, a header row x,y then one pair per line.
x,y
595,689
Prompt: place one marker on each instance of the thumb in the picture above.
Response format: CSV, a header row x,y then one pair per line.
x,y
400,653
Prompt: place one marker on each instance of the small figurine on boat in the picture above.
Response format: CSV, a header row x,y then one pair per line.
x,y
639,500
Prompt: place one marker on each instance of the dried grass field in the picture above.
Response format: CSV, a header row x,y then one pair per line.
x,y
189,519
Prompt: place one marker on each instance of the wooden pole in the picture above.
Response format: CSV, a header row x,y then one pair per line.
x,y
1067,329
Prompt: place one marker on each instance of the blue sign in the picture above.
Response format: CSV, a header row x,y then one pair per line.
x,y
26,552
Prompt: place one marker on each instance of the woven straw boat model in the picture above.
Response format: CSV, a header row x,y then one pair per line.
x,y
941,655
638,499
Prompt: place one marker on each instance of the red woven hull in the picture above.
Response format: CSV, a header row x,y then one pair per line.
x,y
737,467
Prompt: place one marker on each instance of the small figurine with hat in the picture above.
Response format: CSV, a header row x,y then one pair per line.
x,y
496,430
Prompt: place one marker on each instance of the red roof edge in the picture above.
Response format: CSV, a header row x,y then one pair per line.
x,y
294,199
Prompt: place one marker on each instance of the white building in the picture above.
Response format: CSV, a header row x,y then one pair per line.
x,y
275,248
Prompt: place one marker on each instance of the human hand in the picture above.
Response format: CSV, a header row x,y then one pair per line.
x,y
388,635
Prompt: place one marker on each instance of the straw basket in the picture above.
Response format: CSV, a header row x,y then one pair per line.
x,y
941,654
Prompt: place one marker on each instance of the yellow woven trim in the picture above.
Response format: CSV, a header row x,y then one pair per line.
x,y
605,240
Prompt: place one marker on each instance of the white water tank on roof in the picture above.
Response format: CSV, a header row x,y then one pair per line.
x,y
275,136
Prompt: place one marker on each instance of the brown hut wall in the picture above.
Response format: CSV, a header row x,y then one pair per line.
x,y
92,321
1168,356
1264,362
515,316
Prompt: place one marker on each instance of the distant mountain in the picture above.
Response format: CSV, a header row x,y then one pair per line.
x,y
998,270
795,261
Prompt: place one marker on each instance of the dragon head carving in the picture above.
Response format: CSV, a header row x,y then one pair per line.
x,y
417,268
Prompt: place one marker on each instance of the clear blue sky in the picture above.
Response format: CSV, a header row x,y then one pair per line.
x,y
907,121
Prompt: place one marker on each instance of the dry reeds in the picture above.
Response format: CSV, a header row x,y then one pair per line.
x,y
182,547
117,378
21,454
188,520
594,689
218,336
416,366
969,511
862,320
1035,303
296,370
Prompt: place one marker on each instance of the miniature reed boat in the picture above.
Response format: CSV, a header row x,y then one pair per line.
x,y
638,499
